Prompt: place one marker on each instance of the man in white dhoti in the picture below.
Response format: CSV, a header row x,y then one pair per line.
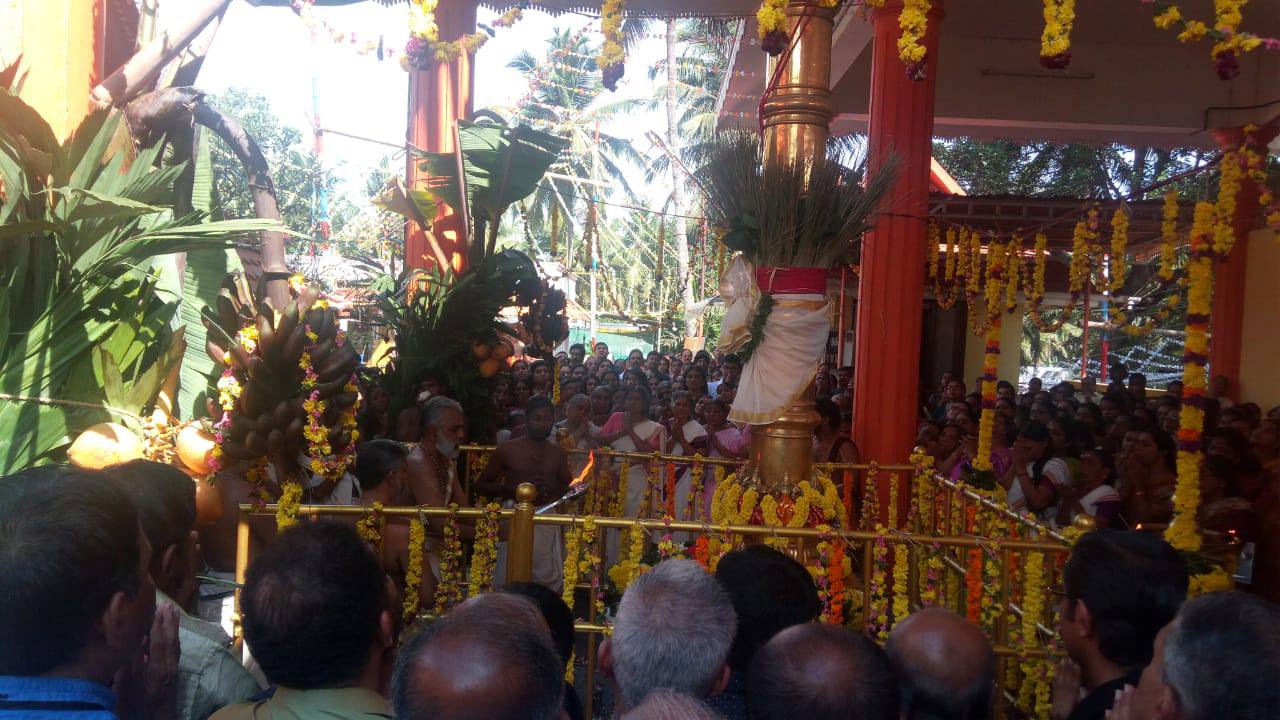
x,y
535,459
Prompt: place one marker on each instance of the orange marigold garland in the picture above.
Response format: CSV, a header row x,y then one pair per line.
x,y
829,572
973,573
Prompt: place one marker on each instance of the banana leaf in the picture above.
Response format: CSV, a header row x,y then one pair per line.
x,y
501,166
202,276
85,332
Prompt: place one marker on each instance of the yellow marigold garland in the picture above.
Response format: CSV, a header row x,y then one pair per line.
x,y
871,497
1033,597
425,46
953,248
1055,41
1013,269
1255,162
1216,580
771,21
901,573
1168,234
913,21
484,556
990,357
1229,181
413,573
693,507
631,565
370,526
931,247
1119,249
555,382
577,540
612,53
287,507
618,507
878,621
1183,532
449,589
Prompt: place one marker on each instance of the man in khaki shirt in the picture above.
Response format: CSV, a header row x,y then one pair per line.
x,y
320,620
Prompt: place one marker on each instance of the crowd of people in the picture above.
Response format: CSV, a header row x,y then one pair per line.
x,y
102,616
1065,451
687,397
97,623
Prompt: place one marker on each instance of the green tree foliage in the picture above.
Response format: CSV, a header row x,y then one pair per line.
x,y
298,174
1043,169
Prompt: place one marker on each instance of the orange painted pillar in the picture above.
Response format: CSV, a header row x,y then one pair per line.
x,y
891,282
1227,320
438,95
61,46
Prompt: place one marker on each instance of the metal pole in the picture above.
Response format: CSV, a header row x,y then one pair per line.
x,y
520,541
1106,311
593,247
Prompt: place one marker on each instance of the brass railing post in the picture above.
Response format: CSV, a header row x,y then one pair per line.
x,y
242,565
520,541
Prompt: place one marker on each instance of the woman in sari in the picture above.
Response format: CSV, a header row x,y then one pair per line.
x,y
633,431
685,437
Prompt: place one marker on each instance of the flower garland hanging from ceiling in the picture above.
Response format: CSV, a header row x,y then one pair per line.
x,y
1229,42
914,23
771,21
425,47
1055,41
612,57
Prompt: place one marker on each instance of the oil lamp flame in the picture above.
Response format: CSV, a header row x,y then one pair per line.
x,y
582,476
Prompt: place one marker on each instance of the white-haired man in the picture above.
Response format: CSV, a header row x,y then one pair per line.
x,y
432,466
674,627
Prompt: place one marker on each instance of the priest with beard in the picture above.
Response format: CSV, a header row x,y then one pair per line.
x,y
537,459
433,464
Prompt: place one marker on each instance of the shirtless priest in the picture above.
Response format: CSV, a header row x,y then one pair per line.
x,y
537,459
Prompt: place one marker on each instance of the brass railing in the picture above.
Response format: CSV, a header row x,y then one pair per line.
x,y
982,546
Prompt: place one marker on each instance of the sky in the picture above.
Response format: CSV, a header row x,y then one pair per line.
x,y
359,94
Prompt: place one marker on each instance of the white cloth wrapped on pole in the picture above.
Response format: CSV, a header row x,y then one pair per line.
x,y
785,360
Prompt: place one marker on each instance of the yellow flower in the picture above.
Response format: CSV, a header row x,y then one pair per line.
x,y
1168,17
913,21
1168,232
1119,248
1193,31
287,507
413,573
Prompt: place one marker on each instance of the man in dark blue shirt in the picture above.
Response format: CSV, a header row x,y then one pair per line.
x,y
76,601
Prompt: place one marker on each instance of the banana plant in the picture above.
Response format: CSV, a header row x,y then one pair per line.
x,y
85,335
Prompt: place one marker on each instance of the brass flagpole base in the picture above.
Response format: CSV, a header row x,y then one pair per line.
x,y
782,451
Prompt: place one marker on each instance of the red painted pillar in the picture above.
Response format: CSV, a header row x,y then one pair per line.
x,y
891,283
1227,320
438,95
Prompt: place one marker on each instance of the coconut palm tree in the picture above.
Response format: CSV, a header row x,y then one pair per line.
x,y
691,80
566,98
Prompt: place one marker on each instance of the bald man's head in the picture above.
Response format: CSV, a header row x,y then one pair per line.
x,y
945,666
489,659
821,672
